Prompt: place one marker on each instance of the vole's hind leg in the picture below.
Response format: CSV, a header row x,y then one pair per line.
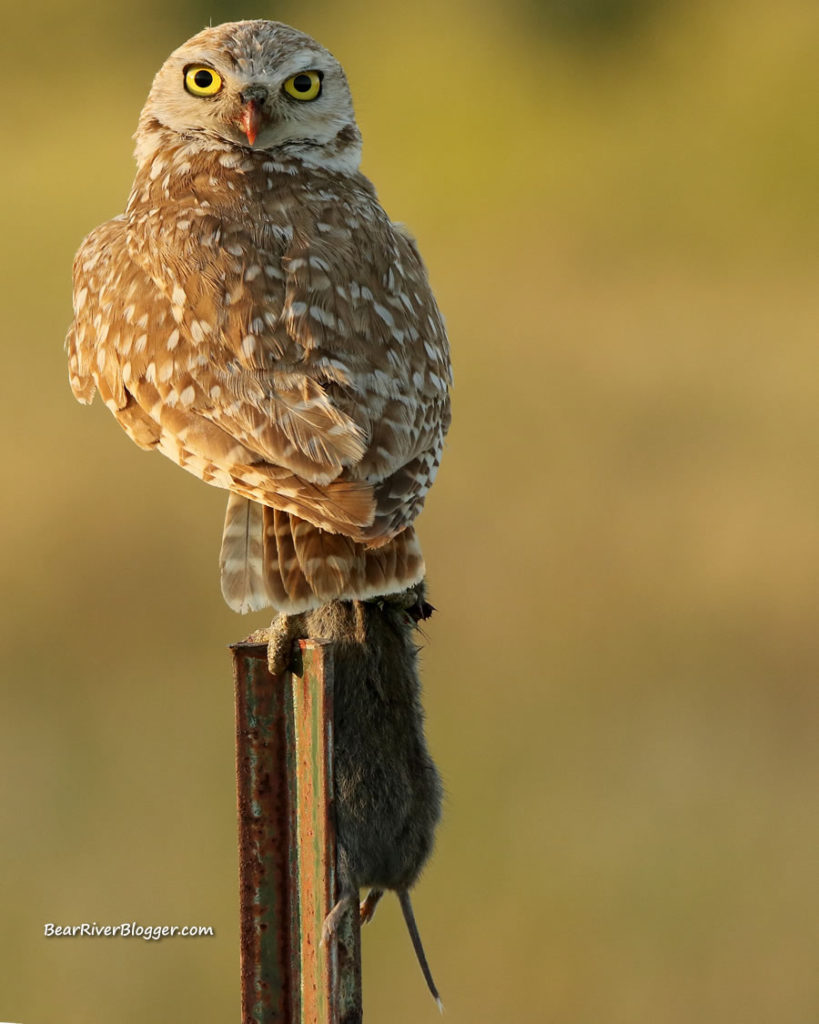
x,y
347,902
369,903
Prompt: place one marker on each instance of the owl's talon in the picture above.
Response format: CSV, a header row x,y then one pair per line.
x,y
283,632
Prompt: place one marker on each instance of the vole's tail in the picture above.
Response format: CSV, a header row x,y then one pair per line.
x,y
412,928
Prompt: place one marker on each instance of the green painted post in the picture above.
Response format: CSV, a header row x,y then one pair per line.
x,y
287,850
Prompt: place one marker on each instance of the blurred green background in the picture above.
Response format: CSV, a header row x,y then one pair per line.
x,y
618,204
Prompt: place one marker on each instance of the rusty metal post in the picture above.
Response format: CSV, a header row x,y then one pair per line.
x,y
287,849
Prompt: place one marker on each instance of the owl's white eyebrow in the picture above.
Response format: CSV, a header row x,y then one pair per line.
x,y
301,62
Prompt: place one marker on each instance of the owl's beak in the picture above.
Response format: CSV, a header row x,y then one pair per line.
x,y
251,120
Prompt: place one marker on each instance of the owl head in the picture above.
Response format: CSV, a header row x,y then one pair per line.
x,y
257,85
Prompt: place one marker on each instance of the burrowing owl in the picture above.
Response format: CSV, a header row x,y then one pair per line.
x,y
256,316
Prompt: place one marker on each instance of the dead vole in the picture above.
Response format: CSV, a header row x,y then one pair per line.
x,y
387,788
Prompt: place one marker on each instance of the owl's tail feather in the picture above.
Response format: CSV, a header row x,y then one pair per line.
x,y
274,558
306,566
241,559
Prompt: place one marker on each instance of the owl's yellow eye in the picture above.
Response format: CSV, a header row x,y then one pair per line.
x,y
306,85
202,81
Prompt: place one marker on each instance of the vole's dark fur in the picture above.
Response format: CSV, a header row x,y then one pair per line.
x,y
387,788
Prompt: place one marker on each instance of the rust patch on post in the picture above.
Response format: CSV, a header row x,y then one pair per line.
x,y
265,838
287,847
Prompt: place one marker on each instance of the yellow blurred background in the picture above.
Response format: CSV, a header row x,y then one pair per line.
x,y
618,205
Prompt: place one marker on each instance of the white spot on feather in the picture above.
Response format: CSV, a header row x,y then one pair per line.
x,y
384,313
322,316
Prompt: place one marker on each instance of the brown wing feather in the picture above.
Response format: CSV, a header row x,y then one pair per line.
x,y
122,361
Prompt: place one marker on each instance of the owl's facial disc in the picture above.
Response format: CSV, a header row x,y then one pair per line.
x,y
256,85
